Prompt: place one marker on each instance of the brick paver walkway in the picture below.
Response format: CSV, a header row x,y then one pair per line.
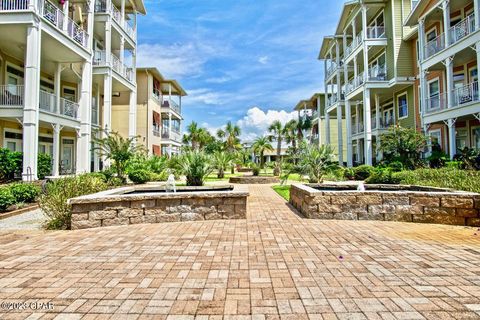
x,y
273,265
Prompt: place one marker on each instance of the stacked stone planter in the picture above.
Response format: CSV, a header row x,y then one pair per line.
x,y
407,204
254,180
144,205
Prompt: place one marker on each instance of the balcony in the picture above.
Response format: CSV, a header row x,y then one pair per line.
x,y
101,6
156,130
173,135
169,103
332,100
377,73
355,83
357,128
376,33
356,42
48,102
436,103
11,96
156,94
99,59
456,33
460,96
14,5
55,16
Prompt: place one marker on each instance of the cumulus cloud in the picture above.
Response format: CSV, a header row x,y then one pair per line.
x,y
205,96
256,122
263,60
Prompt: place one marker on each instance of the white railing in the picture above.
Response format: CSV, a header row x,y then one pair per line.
x,y
165,132
466,94
14,5
376,33
331,69
116,14
129,29
94,113
101,6
99,58
55,16
434,46
157,94
11,95
357,41
156,130
436,103
48,102
377,73
170,103
462,29
122,69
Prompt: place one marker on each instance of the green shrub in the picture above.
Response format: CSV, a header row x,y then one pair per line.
x,y
196,166
54,201
466,180
44,165
349,174
363,172
395,166
454,164
159,176
24,192
10,164
255,170
382,176
139,176
6,198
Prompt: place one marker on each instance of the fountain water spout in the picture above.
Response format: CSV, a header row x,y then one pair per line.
x,y
361,187
170,185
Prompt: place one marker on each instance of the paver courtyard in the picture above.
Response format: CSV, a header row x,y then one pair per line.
x,y
274,264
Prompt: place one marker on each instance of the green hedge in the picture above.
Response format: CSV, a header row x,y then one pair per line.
x,y
17,193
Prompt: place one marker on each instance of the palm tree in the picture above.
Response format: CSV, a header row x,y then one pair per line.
x,y
278,132
260,145
193,136
291,133
221,161
231,135
304,123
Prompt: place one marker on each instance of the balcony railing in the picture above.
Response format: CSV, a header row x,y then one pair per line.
x,y
99,58
101,6
332,99
466,94
357,128
14,5
121,68
434,46
57,18
156,130
48,102
376,33
12,96
462,29
436,103
357,41
377,73
169,103
157,94
355,83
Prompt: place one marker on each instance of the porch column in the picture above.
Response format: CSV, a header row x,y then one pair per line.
x,y
57,78
340,134
446,21
477,47
56,149
423,95
85,116
65,14
31,101
367,127
122,10
170,125
357,118
107,103
96,158
452,147
327,128
108,41
132,115
378,120
449,75
364,21
348,117
476,9
337,53
319,121
122,51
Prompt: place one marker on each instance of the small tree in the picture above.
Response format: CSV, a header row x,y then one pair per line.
x,y
261,145
403,145
314,161
196,166
221,161
278,132
118,149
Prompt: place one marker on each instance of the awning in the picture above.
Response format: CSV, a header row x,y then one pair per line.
x,y
156,118
156,150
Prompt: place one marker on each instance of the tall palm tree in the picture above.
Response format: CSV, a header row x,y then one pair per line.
x,y
193,136
304,123
260,145
291,133
277,131
231,134
204,138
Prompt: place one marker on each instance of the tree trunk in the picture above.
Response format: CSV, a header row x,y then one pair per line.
x,y
221,174
261,160
276,170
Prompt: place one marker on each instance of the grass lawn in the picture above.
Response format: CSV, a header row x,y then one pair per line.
x,y
283,190
213,177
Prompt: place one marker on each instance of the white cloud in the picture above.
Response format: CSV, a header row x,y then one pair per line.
x,y
218,80
205,96
256,122
263,59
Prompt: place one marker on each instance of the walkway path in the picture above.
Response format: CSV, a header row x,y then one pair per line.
x,y
273,265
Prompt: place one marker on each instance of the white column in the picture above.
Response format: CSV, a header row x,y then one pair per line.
x,y
337,53
65,14
122,11
57,78
327,128
56,149
364,21
348,117
31,100
477,47
357,118
449,75
423,94
377,120
452,143
340,134
446,21
170,125
368,127
122,51
421,39
85,116
132,115
108,41
319,121
476,10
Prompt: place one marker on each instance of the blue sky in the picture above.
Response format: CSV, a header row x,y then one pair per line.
x,y
245,61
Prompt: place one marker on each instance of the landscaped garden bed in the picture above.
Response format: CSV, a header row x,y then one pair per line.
x,y
150,204
254,180
387,203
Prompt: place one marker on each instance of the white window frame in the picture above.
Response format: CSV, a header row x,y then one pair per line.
x,y
439,132
398,106
429,95
70,88
6,140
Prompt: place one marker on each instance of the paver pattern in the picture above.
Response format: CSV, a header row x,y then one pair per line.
x,y
273,265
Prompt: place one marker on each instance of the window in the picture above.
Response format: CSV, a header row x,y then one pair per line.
x,y
434,95
377,70
388,116
458,80
476,138
473,74
402,104
461,138
436,138
69,94
431,35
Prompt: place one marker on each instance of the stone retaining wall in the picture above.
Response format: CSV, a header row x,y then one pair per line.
x,y
245,170
254,180
448,207
110,209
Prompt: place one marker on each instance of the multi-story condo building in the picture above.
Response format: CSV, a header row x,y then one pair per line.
x,y
325,126
60,64
447,46
368,75
159,112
